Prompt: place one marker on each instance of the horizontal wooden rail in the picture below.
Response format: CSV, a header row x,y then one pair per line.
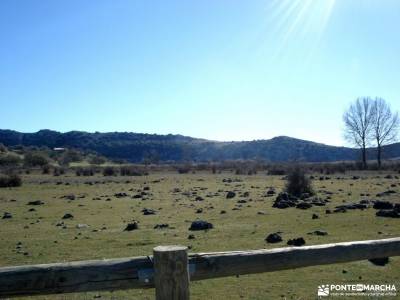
x,y
138,272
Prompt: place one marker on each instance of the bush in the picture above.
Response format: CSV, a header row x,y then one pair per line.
x,y
3,148
35,159
69,156
109,171
276,171
9,159
131,171
46,169
97,160
184,169
298,183
84,172
10,180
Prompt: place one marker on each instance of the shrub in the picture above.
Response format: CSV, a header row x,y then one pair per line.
x,y
84,172
9,159
46,169
69,156
184,170
109,171
10,180
131,171
58,171
3,148
276,171
298,183
214,169
35,159
97,160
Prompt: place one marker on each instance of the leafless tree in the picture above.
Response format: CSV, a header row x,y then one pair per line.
x,y
358,120
385,125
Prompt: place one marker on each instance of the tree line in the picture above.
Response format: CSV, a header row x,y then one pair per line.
x,y
371,122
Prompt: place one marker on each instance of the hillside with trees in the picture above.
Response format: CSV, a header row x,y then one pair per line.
x,y
153,148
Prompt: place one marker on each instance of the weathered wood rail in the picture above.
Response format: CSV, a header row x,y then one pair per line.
x,y
171,268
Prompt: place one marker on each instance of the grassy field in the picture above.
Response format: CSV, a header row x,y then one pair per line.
x,y
244,226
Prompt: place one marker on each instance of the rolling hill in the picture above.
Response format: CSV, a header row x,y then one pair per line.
x,y
136,147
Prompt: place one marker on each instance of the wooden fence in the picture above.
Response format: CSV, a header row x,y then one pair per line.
x,y
170,269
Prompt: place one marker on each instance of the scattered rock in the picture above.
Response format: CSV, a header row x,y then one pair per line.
x,y
319,232
82,226
67,216
284,200
273,238
200,225
383,205
388,213
148,211
120,195
271,192
296,242
70,197
7,215
37,202
161,226
191,237
315,216
304,205
379,261
230,195
132,226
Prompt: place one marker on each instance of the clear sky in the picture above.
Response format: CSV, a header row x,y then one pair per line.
x,y
223,70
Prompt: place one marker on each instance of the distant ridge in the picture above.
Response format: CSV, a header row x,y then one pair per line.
x,y
136,147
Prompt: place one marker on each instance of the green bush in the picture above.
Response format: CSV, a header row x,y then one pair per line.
x,y
10,181
9,159
131,171
109,171
3,148
97,160
84,172
35,159
298,183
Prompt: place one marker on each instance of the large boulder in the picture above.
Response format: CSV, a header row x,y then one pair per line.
x,y
296,242
383,205
7,215
388,213
379,261
230,195
68,216
200,225
273,238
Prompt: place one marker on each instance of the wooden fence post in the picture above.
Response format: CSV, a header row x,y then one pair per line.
x,y
171,273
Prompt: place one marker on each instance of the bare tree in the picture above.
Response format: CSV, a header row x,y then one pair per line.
x,y
385,125
358,120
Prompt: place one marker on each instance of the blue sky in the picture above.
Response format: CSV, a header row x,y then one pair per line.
x,y
223,70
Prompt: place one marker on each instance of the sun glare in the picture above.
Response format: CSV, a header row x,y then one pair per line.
x,y
299,20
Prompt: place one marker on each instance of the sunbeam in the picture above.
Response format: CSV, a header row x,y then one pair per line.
x,y
297,21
